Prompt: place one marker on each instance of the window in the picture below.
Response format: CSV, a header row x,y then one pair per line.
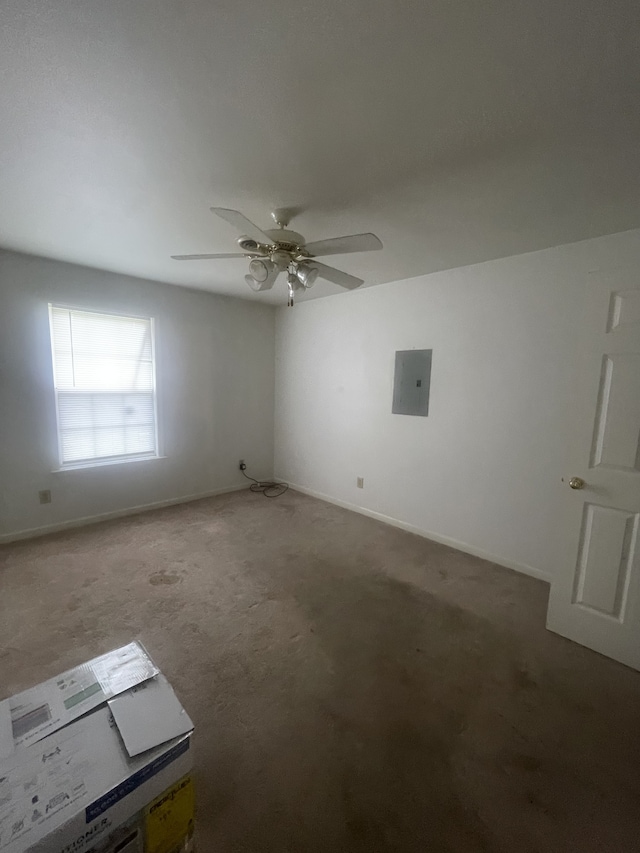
x,y
103,371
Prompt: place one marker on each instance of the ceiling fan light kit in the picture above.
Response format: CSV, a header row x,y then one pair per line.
x,y
272,251
307,274
262,269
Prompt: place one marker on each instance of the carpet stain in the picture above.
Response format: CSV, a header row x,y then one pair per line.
x,y
526,762
163,578
522,679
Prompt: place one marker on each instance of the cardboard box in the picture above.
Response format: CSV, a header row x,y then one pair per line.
x,y
97,759
163,826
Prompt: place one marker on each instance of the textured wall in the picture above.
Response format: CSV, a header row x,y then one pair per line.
x,y
215,377
483,469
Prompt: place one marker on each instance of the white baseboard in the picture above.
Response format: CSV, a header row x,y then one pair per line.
x,y
428,534
387,519
32,532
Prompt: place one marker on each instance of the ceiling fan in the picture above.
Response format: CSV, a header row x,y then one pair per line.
x,y
272,251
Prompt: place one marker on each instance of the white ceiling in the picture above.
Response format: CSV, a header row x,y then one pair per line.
x,y
456,130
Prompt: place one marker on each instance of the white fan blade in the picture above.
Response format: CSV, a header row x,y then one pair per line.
x,y
337,276
244,225
206,257
343,245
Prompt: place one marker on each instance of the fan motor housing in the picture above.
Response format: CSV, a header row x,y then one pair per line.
x,y
247,244
283,237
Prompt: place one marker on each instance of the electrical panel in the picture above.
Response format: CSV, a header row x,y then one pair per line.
x,y
411,383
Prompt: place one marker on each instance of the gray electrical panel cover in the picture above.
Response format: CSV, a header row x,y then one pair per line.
x,y
411,382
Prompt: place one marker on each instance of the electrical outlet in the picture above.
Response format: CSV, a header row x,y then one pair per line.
x,y
360,482
242,465
45,496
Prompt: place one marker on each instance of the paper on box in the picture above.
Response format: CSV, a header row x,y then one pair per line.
x,y
38,712
69,790
78,784
149,714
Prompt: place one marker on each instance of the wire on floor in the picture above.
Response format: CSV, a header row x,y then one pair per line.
x,y
269,489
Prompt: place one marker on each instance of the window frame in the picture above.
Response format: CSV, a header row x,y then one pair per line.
x,y
104,461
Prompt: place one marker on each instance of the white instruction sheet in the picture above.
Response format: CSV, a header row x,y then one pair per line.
x,y
148,715
38,712
50,781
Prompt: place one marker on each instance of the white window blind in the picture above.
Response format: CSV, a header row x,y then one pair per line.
x,y
104,384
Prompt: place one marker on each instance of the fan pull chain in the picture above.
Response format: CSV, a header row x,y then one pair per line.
x,y
291,277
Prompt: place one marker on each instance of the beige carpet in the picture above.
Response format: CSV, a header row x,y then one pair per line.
x,y
354,687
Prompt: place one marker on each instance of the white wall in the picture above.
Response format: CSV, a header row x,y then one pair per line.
x,y
483,469
215,381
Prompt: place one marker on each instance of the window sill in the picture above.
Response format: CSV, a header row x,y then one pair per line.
x,y
96,463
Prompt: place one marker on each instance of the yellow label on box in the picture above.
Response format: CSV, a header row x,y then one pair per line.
x,y
169,818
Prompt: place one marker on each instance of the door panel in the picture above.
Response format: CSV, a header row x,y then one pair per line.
x,y
617,433
595,595
606,555
625,309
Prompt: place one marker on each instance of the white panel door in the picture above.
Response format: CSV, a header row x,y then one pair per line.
x,y
595,597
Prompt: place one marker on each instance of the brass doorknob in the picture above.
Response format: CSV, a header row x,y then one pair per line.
x,y
577,483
